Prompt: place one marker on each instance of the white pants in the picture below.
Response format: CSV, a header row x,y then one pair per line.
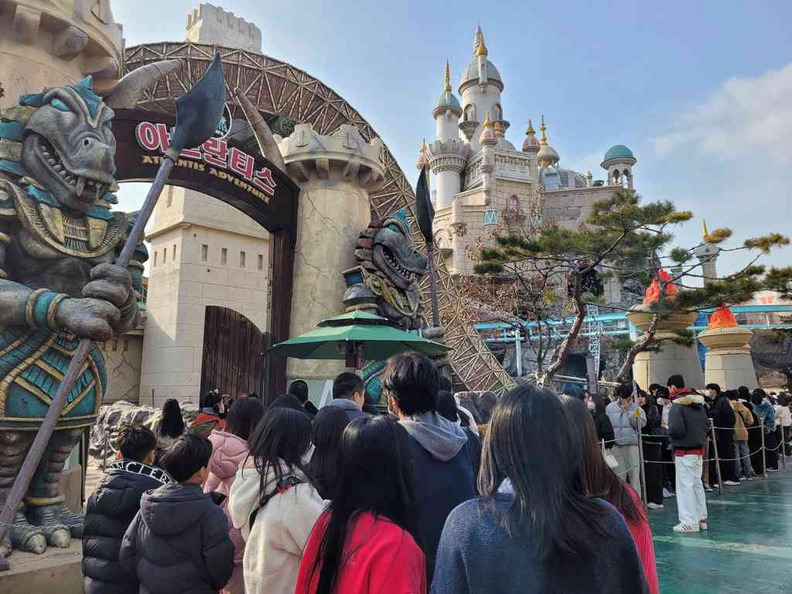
x,y
629,469
691,501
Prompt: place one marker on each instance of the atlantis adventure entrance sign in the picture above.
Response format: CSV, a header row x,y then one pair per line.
x,y
220,167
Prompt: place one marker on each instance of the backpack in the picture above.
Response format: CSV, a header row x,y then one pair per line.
x,y
284,484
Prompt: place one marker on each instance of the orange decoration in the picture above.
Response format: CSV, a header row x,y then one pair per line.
x,y
722,317
653,292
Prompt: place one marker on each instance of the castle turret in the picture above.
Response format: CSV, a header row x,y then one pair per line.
x,y
448,154
707,253
480,88
447,111
488,140
618,162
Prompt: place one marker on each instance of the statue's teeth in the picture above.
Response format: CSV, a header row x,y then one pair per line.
x,y
58,168
78,189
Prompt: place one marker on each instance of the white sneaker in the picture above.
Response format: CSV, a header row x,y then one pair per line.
x,y
686,528
707,488
772,470
703,525
668,494
731,483
653,505
742,478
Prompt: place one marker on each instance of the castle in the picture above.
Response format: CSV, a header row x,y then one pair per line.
x,y
484,185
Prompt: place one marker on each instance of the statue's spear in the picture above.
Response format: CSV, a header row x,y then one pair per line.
x,y
425,215
197,114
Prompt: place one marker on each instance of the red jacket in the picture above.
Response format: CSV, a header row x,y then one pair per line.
x,y
642,535
380,558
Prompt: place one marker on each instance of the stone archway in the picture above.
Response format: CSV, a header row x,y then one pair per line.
x,y
279,89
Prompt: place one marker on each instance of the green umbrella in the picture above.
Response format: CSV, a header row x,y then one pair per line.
x,y
369,336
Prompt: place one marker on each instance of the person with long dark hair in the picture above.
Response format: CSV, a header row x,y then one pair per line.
x,y
273,502
328,426
170,425
653,442
229,450
598,480
365,541
534,529
209,418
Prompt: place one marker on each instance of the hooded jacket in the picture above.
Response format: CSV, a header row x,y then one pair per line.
x,y
444,475
178,542
742,419
109,512
687,422
277,537
228,453
351,408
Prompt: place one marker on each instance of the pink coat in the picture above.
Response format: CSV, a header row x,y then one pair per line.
x,y
228,453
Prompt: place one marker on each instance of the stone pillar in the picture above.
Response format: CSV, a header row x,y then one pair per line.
x,y
652,367
728,362
336,173
46,44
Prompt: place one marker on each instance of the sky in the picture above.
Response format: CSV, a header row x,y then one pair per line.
x,y
700,91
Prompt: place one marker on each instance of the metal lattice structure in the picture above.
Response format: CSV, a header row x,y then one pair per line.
x,y
278,88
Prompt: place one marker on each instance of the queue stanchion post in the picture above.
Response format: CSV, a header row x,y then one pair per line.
x,y
764,451
782,447
641,463
717,461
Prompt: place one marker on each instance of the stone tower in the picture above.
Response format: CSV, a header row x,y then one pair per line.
x,y
212,25
204,251
707,253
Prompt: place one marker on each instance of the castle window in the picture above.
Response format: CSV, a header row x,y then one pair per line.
x,y
155,257
241,259
174,252
261,262
170,196
204,252
514,203
470,113
490,217
224,256
498,112
126,345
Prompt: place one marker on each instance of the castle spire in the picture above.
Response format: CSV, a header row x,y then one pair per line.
x,y
479,47
704,231
543,128
447,88
530,131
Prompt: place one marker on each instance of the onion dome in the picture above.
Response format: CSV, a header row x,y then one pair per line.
x,y
531,143
488,136
447,101
480,68
547,155
618,153
423,158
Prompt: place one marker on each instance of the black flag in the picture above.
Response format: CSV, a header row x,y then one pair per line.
x,y
423,207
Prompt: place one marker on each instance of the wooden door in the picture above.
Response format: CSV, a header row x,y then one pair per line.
x,y
232,353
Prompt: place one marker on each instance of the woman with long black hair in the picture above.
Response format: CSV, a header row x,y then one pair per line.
x,y
364,543
596,479
534,529
273,502
328,426
170,425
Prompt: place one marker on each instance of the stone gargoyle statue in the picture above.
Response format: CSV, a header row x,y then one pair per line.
x,y
388,277
58,282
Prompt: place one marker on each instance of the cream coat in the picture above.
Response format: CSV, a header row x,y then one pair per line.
x,y
275,542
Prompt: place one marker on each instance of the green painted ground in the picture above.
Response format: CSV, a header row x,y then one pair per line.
x,y
746,550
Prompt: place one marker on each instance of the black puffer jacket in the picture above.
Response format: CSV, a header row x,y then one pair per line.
x,y
178,542
687,422
109,511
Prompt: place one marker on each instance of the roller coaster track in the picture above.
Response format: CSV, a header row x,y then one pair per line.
x,y
278,88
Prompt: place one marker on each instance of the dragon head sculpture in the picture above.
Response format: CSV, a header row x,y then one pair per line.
x,y
69,147
389,270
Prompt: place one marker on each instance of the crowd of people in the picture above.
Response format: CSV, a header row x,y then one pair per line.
x,y
348,498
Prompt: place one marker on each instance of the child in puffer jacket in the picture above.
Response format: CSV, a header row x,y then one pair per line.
x,y
178,542
229,450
